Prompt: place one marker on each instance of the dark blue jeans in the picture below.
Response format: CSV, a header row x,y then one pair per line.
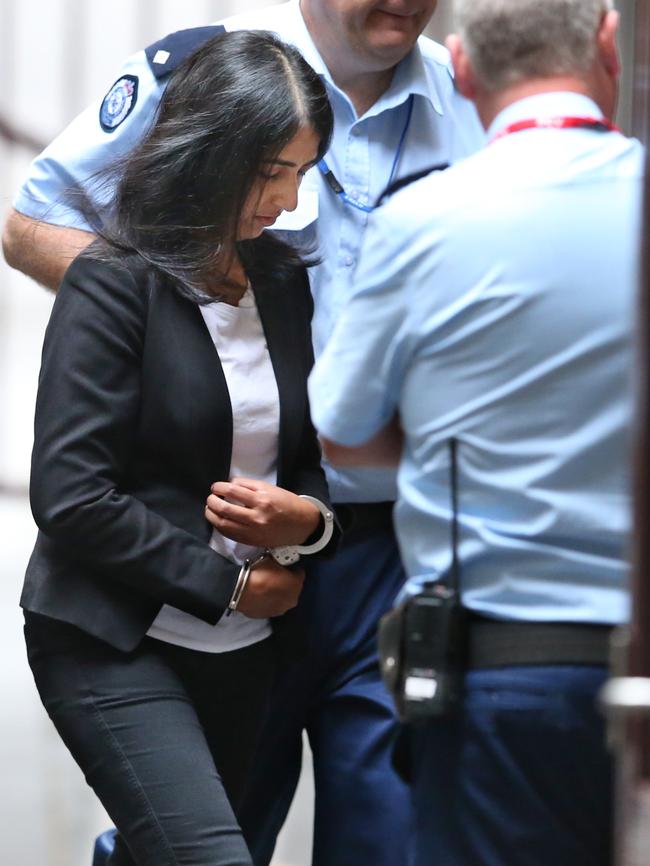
x,y
164,736
521,778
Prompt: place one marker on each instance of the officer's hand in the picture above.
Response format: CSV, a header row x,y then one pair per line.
x,y
260,514
271,590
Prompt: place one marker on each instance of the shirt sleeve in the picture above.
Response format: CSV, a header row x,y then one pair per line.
x,y
355,385
65,174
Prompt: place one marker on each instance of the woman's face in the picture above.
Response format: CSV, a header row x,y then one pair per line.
x,y
277,187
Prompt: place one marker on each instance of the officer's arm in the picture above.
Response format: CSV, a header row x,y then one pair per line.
x,y
47,228
41,250
384,449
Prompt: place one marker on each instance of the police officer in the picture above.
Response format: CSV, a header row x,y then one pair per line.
x,y
499,324
396,112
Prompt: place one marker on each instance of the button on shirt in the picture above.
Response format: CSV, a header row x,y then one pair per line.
x,y
501,313
443,128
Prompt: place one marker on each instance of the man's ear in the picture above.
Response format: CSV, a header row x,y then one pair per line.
x,y
606,43
464,75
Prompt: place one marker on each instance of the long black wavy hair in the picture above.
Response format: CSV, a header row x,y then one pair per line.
x,y
232,105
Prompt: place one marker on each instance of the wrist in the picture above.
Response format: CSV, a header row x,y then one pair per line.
x,y
313,521
290,554
242,580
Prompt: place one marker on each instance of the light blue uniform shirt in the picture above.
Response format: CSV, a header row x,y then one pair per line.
x,y
502,313
443,128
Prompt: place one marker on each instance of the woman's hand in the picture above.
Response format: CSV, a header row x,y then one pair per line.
x,y
260,514
271,590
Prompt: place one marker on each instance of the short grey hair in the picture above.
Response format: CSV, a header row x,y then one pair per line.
x,y
512,40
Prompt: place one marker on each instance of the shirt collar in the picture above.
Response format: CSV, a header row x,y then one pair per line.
x,y
411,76
544,106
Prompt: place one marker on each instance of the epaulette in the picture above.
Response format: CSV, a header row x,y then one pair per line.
x,y
163,57
401,182
170,51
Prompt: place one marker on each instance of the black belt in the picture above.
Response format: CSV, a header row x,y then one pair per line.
x,y
357,516
500,644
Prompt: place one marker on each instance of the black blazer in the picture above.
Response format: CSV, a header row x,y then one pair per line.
x,y
133,424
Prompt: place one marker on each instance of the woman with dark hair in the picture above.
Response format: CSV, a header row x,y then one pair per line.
x,y
176,476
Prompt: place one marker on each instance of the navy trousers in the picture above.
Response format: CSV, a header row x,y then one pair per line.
x,y
334,692
521,778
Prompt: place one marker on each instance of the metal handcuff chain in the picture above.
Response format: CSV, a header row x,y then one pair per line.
x,y
242,580
287,554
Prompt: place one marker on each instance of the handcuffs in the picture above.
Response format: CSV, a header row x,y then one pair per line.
x,y
287,554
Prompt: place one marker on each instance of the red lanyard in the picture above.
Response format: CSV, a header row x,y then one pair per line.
x,y
593,123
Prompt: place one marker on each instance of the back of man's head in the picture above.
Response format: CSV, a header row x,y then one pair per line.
x,y
509,41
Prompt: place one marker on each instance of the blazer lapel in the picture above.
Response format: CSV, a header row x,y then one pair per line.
x,y
192,380
274,305
216,405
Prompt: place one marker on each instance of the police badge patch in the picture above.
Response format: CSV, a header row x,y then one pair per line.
x,y
118,103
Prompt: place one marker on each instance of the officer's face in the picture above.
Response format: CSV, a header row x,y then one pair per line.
x,y
277,187
379,33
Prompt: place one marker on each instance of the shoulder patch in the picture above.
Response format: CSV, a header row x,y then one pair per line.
x,y
118,103
170,51
401,182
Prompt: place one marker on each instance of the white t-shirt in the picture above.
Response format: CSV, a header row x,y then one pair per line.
x,y
239,339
